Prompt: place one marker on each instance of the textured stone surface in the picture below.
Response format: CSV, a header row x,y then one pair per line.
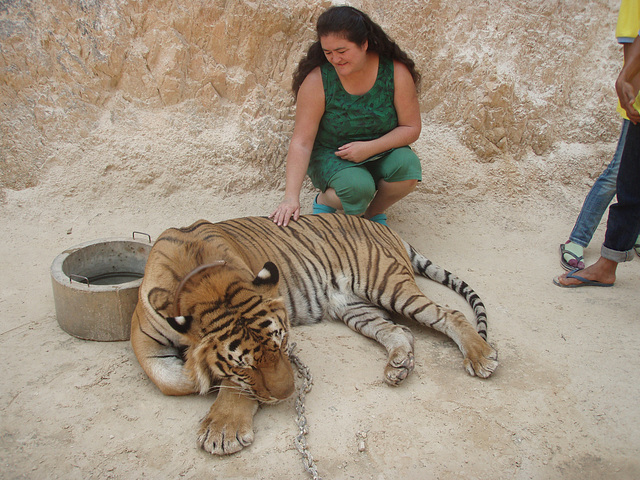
x,y
513,80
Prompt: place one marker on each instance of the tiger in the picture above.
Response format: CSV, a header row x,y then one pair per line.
x,y
217,301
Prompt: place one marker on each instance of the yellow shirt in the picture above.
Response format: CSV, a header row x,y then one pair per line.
x,y
626,31
628,21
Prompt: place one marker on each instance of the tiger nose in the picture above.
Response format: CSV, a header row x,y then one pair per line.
x,y
278,379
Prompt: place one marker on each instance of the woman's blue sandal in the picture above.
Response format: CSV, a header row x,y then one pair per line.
x,y
320,208
381,218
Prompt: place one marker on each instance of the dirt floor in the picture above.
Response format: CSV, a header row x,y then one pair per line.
x,y
562,404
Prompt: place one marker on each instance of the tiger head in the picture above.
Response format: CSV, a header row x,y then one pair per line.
x,y
235,328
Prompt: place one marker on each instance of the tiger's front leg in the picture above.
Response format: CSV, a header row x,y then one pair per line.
x,y
375,323
228,427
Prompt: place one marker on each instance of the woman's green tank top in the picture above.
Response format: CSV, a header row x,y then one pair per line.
x,y
349,118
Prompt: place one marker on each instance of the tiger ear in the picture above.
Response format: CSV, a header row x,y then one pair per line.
x,y
160,300
269,276
180,324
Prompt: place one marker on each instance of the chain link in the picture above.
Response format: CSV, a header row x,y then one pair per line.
x,y
300,440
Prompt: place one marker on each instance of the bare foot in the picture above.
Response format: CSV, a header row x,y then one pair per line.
x,y
603,272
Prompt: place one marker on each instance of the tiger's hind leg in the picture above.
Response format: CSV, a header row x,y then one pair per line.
x,y
480,358
375,323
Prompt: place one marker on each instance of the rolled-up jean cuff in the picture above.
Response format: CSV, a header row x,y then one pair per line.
x,y
616,255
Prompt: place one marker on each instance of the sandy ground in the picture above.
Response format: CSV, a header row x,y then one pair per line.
x,y
562,404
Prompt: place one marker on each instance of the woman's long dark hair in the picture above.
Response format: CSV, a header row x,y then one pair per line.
x,y
357,28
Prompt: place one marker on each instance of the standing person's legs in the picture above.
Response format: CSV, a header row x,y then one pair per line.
x,y
623,224
599,197
593,208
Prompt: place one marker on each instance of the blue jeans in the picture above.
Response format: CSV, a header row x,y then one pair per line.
x,y
623,224
599,197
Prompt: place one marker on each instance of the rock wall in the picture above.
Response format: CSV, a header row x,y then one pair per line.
x,y
96,92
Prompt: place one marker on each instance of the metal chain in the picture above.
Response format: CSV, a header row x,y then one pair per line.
x,y
300,440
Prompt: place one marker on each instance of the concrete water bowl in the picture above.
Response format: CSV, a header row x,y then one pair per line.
x,y
95,287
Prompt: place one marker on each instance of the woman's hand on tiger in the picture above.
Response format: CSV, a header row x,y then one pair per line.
x,y
288,210
355,152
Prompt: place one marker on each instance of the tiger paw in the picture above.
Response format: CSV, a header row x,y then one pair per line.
x,y
398,368
480,359
222,438
228,427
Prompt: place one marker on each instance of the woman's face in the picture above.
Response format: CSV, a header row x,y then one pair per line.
x,y
345,56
